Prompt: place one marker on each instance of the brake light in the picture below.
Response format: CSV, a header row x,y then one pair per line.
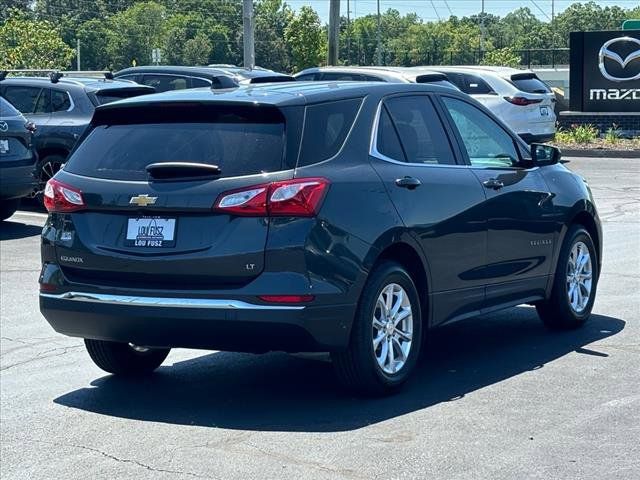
x,y
300,197
522,101
60,197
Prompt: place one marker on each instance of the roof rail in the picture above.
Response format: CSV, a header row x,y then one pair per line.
x,y
3,75
55,76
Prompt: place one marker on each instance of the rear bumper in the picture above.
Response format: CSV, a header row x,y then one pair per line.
x,y
217,324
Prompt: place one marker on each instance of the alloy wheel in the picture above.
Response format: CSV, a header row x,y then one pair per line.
x,y
392,328
579,277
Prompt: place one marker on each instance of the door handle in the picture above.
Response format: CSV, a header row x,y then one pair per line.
x,y
408,182
493,183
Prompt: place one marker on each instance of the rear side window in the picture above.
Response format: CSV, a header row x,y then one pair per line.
x,y
336,76
420,129
529,84
388,143
163,83
239,146
23,98
474,85
307,77
200,82
60,101
326,127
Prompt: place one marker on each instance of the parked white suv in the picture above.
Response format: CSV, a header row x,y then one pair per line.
x,y
518,97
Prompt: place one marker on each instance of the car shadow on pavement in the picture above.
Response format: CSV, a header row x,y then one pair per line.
x,y
279,392
13,230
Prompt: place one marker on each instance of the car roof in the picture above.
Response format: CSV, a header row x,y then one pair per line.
x,y
505,72
87,83
175,69
278,94
404,73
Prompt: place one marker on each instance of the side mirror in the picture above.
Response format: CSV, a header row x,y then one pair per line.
x,y
542,154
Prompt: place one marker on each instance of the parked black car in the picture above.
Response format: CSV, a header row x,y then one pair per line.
x,y
17,158
344,217
166,77
61,108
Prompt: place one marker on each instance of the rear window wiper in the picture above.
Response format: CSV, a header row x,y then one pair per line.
x,y
172,170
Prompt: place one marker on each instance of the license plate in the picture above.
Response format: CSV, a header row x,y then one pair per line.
x,y
4,146
544,111
151,232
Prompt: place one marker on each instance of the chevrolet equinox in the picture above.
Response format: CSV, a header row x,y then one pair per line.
x,y
343,217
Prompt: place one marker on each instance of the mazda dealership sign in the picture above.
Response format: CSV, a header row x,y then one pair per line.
x,y
605,71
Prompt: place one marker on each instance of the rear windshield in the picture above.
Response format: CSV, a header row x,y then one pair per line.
x,y
7,110
121,152
530,84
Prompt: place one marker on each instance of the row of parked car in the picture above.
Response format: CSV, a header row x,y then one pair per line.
x,y
59,109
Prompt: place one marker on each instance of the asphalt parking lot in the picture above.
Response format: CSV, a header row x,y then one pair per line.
x,y
497,397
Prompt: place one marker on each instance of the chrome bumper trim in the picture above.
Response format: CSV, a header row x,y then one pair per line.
x,y
171,302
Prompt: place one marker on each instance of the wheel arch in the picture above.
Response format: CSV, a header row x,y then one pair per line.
x,y
586,219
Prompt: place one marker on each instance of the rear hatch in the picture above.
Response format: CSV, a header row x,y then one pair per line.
x,y
157,229
534,97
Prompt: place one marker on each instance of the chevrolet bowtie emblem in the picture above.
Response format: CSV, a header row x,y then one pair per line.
x,y
142,200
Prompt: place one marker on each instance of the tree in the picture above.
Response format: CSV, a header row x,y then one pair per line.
x,y
8,5
305,38
502,57
94,40
27,43
197,50
134,32
271,17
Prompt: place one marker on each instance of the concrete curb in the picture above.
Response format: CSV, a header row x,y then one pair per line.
x,y
600,153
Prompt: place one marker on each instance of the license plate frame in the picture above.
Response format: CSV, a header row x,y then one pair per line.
x,y
151,232
544,111
4,146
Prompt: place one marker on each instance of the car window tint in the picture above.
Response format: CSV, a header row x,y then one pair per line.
x,y
387,142
307,77
474,85
60,101
335,76
200,82
164,83
421,132
325,129
23,98
121,152
530,84
486,142
43,105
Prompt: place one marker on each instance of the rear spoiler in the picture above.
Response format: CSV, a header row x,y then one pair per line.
x,y
272,79
431,78
524,76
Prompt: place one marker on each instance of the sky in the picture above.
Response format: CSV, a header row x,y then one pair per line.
x,y
430,10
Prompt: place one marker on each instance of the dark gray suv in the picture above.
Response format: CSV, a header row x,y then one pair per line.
x,y
343,217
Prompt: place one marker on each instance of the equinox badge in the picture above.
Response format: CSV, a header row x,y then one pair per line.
x,y
142,200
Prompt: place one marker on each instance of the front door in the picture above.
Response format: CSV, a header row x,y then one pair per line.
x,y
518,207
438,200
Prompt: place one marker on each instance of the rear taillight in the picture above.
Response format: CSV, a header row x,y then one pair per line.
x,y
301,197
60,198
522,101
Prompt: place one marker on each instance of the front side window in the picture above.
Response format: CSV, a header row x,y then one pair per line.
x,y
487,143
326,127
420,130
23,98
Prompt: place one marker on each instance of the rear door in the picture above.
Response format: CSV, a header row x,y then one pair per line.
x,y
518,207
141,231
438,200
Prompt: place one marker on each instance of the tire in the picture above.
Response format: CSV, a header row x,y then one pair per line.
x,y
560,311
46,168
358,367
8,208
125,359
